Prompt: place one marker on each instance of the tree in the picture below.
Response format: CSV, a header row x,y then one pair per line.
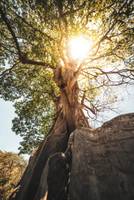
x,y
11,169
47,84
33,36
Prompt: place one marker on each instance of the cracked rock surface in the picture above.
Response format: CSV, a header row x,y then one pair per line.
x,y
103,161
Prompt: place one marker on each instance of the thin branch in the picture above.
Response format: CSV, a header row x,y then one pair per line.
x,y
7,22
75,10
8,70
87,107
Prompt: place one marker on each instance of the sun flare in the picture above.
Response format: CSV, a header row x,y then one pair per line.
x,y
79,48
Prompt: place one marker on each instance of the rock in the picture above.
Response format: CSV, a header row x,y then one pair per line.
x,y
57,186
103,161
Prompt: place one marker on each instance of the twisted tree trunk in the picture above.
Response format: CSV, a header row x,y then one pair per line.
x,y
97,162
33,185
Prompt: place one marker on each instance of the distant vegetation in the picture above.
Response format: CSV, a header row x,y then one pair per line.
x,y
11,169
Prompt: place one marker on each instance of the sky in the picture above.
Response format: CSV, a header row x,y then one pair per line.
x,y
9,141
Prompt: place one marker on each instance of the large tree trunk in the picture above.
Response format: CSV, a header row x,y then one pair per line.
x,y
100,161
33,185
87,164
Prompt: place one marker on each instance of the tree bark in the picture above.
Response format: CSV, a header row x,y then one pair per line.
x,y
70,117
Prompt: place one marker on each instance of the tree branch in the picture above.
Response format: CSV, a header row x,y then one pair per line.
x,y
22,57
7,22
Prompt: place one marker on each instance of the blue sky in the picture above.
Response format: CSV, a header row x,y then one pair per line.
x,y
10,142
125,104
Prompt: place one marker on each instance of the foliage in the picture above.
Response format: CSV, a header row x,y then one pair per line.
x,y
11,170
34,35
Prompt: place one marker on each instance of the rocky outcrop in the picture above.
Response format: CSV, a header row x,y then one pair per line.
x,y
103,161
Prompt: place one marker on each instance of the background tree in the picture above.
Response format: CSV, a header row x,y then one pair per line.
x,y
11,169
46,83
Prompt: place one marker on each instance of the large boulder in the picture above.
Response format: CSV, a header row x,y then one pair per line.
x,y
103,161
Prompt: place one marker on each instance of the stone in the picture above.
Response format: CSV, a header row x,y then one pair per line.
x,y
103,161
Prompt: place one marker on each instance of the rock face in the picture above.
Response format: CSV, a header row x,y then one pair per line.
x,y
103,161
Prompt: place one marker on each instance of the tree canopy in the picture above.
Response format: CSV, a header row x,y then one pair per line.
x,y
34,37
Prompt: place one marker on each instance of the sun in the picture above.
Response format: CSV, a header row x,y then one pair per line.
x,y
79,47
